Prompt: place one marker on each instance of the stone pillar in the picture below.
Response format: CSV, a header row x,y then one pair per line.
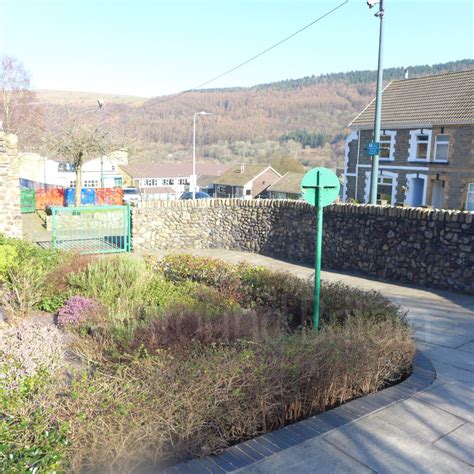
x,y
10,212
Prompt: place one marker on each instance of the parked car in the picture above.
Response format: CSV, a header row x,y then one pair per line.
x,y
199,195
131,196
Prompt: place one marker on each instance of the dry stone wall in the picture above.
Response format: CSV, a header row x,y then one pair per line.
x,y
10,213
417,246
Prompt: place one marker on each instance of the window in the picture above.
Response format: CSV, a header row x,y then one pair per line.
x,y
221,189
183,181
383,180
72,184
470,197
441,148
386,147
91,183
68,167
420,145
149,182
117,182
248,192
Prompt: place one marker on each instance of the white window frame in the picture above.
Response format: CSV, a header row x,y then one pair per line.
x,y
382,174
392,134
468,193
436,148
414,145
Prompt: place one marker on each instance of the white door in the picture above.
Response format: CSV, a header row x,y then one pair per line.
x,y
437,196
470,197
416,191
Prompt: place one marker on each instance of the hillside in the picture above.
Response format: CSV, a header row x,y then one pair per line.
x,y
247,124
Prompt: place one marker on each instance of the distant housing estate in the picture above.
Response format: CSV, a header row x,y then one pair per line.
x,y
287,187
38,171
169,180
427,144
245,181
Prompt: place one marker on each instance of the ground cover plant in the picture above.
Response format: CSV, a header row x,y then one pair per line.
x,y
185,356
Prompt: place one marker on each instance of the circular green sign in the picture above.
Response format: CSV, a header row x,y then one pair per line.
x,y
323,180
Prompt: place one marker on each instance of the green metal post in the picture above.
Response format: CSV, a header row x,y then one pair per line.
x,y
129,229
317,269
53,223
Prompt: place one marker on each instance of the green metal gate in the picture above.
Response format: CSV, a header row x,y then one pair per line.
x,y
91,229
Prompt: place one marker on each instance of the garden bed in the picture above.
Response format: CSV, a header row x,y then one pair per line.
x,y
180,357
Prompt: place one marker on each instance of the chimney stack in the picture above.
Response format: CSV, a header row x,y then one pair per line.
x,y
405,73
242,168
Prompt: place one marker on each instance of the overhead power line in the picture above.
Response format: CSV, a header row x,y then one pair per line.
x,y
247,61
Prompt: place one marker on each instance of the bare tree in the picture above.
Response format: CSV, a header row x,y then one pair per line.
x,y
78,141
15,91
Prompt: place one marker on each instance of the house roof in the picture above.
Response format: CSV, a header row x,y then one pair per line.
x,y
205,180
174,170
289,183
445,99
240,175
158,190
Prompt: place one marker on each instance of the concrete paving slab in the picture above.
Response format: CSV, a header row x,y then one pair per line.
x,y
446,355
469,347
439,338
308,458
387,449
441,324
427,423
459,443
448,373
453,398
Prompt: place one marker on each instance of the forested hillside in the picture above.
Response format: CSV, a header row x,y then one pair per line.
x,y
305,118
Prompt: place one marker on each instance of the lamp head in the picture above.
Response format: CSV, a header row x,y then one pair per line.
x,y
372,3
204,113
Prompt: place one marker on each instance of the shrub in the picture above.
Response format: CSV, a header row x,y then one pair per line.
x,y
160,293
180,326
216,273
57,279
75,311
23,267
7,259
30,439
118,282
191,403
281,293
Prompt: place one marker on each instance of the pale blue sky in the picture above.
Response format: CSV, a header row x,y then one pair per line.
x,y
155,47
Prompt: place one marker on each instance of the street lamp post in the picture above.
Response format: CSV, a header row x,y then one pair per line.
x,y
378,104
193,177
100,103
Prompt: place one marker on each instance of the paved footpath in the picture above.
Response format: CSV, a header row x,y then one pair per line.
x,y
432,431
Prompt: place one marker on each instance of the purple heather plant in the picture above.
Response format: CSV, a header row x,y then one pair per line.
x,y
75,311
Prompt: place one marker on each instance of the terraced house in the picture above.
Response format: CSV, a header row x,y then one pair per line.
x,y
427,144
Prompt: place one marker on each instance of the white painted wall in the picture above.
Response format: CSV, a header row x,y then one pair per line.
x,y
35,167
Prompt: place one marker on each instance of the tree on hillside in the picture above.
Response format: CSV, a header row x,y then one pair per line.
x,y
284,164
79,141
15,91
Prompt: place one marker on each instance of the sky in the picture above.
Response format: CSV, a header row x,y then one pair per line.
x,y
149,48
